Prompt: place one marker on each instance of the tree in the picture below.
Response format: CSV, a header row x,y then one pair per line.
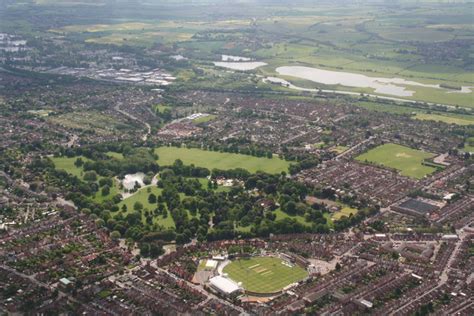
x,y
79,162
289,208
338,266
137,206
152,198
105,190
115,235
90,176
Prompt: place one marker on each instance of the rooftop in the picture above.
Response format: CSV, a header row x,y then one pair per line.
x,y
224,284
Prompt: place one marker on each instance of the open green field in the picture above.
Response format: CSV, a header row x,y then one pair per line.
x,y
67,164
452,119
429,43
469,145
264,274
280,215
100,123
339,149
160,108
142,197
345,211
407,160
205,119
212,159
418,114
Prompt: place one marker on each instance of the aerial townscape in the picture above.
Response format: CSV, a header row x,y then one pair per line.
x,y
237,157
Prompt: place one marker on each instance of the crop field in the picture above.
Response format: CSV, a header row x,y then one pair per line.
x,y
225,161
416,43
452,119
264,274
406,160
419,114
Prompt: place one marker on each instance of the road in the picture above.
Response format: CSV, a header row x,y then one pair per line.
x,y
43,285
354,148
201,290
147,126
443,278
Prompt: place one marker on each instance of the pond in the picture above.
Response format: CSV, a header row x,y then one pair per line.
x,y
130,179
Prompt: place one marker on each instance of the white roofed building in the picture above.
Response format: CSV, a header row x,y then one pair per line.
x,y
224,285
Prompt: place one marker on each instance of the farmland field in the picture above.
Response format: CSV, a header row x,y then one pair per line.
x,y
459,120
418,45
264,274
212,159
406,160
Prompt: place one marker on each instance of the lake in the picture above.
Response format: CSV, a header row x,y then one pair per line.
x,y
390,86
243,66
235,58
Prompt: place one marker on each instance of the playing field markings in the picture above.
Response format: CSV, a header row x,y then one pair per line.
x,y
260,270
266,273
254,266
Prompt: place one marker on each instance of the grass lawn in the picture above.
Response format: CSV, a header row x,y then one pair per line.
x,y
204,119
160,108
115,155
212,159
407,160
469,145
345,211
67,164
339,149
264,274
282,215
142,197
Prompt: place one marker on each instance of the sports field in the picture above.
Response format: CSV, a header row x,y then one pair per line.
x,y
407,160
264,274
224,161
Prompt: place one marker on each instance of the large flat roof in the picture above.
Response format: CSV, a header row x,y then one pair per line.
x,y
418,206
224,284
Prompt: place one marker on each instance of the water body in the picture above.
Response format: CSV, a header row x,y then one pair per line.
x,y
243,66
130,179
285,83
390,86
235,58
